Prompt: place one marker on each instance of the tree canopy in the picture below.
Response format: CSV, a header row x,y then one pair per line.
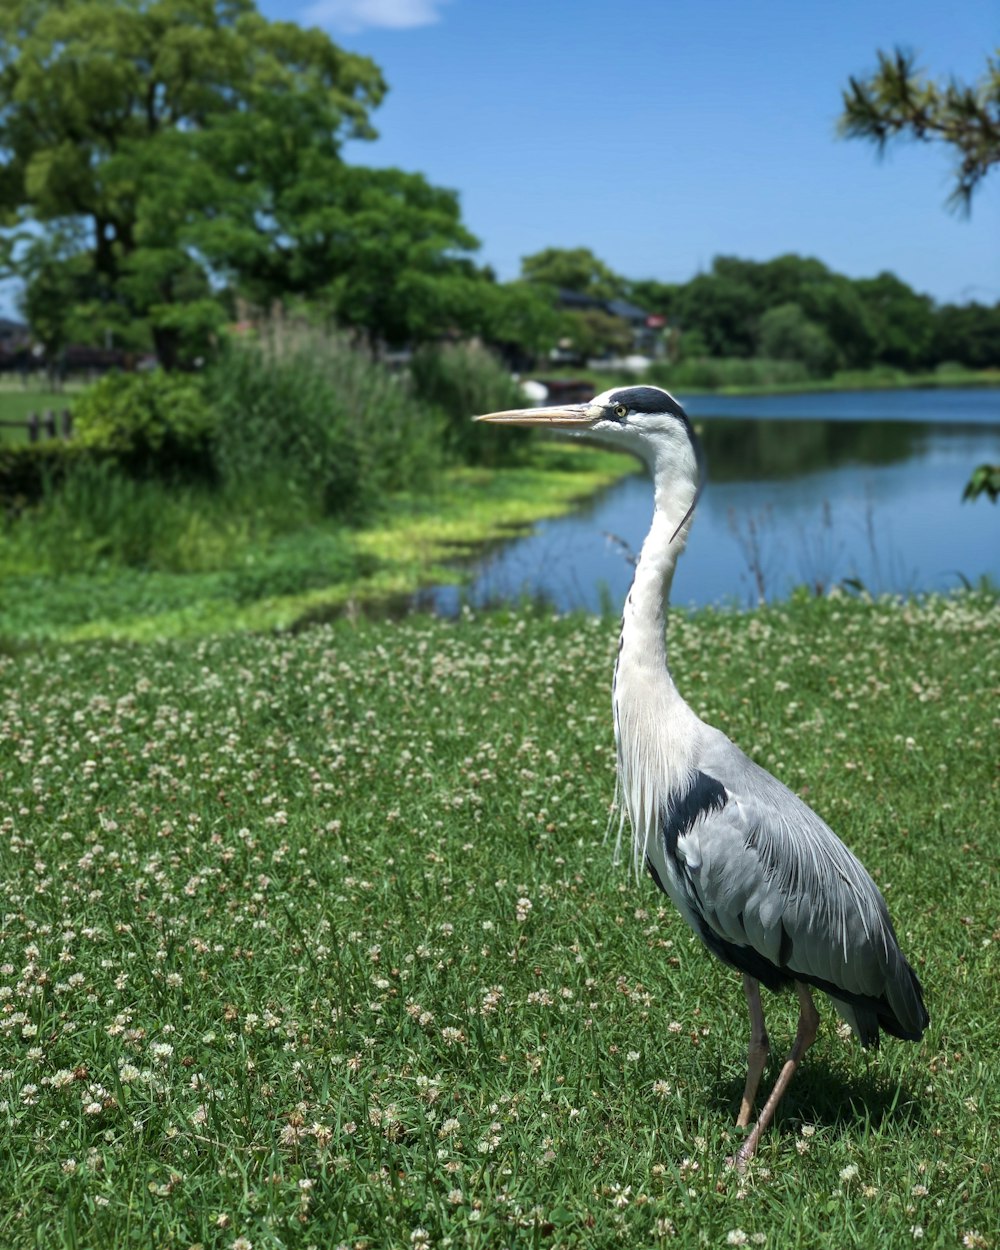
x,y
899,100
161,154
572,269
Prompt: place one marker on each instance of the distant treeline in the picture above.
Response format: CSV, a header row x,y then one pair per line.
x,y
795,308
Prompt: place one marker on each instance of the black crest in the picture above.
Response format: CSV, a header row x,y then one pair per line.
x,y
648,399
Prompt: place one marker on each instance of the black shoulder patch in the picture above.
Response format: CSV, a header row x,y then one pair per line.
x,y
648,399
704,795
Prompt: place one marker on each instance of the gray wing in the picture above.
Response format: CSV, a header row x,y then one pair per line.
x,y
768,876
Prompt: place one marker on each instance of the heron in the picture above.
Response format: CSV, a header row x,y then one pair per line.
x,y
763,881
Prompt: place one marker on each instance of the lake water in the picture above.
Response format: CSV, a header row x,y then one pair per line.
x,y
808,489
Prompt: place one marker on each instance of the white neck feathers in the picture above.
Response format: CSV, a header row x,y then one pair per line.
x,y
655,730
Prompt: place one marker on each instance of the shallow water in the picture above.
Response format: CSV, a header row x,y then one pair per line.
x,y
808,489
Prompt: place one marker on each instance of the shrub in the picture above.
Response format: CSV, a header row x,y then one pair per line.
x,y
154,423
304,411
28,470
463,380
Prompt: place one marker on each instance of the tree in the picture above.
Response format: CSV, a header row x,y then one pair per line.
x,y
573,269
516,315
786,333
898,100
722,308
966,334
58,280
656,297
138,127
593,332
383,250
902,321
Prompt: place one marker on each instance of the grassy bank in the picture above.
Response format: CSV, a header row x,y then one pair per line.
x,y
314,940
251,579
882,379
862,380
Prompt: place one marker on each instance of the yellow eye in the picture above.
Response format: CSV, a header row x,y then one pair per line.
x,y
621,411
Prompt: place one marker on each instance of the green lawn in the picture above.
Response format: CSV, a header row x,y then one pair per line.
x,y
315,940
17,403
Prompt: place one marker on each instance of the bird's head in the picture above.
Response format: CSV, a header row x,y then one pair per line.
x,y
643,420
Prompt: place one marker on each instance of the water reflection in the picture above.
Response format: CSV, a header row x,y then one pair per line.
x,y
788,502
740,450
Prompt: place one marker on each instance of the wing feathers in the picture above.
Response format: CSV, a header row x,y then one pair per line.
x,y
772,889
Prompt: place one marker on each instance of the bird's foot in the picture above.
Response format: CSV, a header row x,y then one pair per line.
x,y
739,1161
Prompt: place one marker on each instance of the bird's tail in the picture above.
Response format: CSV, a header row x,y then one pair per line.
x,y
900,1011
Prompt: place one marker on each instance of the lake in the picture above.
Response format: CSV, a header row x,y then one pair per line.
x,y
813,488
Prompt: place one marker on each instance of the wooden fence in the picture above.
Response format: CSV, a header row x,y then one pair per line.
x,y
47,424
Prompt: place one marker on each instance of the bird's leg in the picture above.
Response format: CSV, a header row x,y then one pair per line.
x,y
805,1035
757,1051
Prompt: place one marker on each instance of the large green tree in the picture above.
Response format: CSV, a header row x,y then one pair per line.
x,y
966,334
902,320
131,129
899,100
786,333
572,269
725,305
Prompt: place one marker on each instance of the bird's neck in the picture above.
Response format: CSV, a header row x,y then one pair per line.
x,y
644,620
656,731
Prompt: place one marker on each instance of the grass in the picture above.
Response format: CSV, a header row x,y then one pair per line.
x,y
220,571
882,378
18,402
314,940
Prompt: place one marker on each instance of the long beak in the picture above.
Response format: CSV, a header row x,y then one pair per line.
x,y
567,416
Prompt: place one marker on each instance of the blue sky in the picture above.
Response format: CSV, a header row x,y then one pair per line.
x,y
661,133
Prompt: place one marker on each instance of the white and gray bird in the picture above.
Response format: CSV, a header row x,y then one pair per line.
x,y
764,882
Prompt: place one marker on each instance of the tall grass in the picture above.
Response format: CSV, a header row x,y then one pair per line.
x,y
99,516
305,407
462,380
306,430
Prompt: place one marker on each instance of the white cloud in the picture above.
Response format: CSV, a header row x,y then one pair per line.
x,y
349,16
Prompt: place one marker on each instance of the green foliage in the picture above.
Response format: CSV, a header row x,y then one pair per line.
x,y
379,250
272,890
726,305
98,516
593,332
691,345
514,315
153,422
786,333
985,480
967,334
897,100
304,407
714,373
902,321
150,138
29,470
462,381
572,269
58,280
656,297
254,558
